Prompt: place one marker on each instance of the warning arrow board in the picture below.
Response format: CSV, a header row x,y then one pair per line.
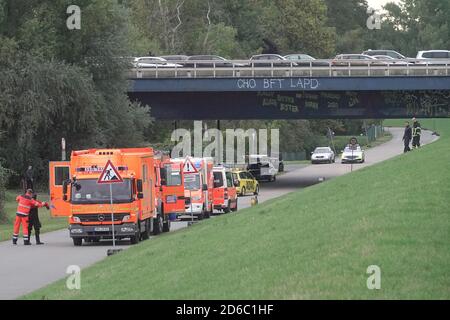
x,y
110,174
189,167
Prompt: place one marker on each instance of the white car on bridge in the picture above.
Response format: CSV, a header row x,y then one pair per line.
x,y
154,62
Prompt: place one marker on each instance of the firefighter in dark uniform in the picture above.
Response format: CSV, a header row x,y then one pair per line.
x,y
416,133
407,137
33,221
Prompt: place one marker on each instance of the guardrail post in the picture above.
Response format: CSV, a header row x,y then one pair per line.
x,y
271,71
195,69
310,69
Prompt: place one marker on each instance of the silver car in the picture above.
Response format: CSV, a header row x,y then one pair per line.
x,y
323,155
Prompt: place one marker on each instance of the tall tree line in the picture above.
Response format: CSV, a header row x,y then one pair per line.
x,y
56,82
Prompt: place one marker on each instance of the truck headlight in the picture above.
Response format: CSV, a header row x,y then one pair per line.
x,y
126,218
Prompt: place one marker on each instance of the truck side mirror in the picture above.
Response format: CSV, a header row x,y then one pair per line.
x,y
205,187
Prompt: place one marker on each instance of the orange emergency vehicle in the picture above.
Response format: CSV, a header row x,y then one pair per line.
x,y
224,194
75,193
171,188
198,185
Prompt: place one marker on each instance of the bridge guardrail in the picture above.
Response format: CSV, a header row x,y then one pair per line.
x,y
316,68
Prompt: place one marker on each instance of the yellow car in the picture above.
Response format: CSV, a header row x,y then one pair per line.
x,y
247,183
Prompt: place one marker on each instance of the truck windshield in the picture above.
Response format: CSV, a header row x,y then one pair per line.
x,y
172,175
192,181
218,179
88,191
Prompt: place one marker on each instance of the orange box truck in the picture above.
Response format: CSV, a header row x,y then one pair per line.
x,y
76,193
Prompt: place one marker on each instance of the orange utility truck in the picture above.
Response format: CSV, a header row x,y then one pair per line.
x,y
76,193
172,181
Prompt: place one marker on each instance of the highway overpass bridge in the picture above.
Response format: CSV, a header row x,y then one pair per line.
x,y
287,92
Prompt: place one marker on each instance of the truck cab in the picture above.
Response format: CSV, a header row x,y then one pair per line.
x,y
224,193
172,189
132,210
198,186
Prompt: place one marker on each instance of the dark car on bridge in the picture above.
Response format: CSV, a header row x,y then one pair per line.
x,y
269,60
305,60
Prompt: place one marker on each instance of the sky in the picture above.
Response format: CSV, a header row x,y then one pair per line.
x,y
377,4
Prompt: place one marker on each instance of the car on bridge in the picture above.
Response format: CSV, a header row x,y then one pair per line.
x,y
302,59
323,155
209,61
342,60
353,154
390,53
154,62
247,183
269,60
175,57
433,57
388,60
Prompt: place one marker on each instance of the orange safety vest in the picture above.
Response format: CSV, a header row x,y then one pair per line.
x,y
25,204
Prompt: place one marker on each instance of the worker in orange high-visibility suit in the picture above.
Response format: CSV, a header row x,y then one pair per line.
x,y
26,202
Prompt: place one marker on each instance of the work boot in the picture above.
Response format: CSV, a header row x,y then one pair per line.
x,y
38,238
14,241
27,243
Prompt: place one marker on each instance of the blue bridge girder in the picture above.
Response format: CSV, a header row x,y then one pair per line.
x,y
360,97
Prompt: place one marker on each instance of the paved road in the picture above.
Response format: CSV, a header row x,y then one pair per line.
x,y
25,269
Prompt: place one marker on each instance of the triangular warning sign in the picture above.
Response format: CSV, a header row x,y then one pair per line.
x,y
189,167
110,174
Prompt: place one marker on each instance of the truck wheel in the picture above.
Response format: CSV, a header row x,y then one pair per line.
x,y
77,241
236,207
137,236
166,226
227,209
158,225
146,233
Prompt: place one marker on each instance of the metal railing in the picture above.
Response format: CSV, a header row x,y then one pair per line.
x,y
315,68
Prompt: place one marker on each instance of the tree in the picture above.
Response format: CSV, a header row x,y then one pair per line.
x,y
61,83
298,26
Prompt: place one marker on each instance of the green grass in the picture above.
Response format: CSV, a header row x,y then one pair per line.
x,y
48,223
312,244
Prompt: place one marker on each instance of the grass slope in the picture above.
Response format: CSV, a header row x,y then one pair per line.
x,y
48,223
314,243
